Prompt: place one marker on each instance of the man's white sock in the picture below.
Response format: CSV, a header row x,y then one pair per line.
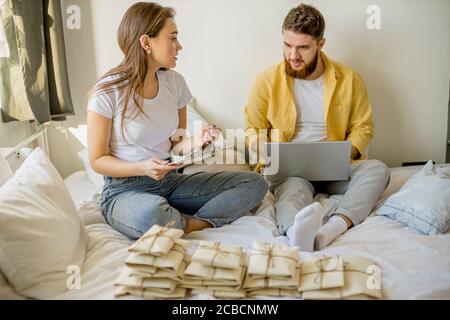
x,y
306,223
329,231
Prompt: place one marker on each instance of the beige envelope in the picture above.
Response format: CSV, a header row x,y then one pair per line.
x,y
186,282
361,278
157,241
322,273
274,292
159,273
218,255
178,293
178,275
160,284
222,294
141,270
198,271
144,271
171,261
256,284
223,288
273,261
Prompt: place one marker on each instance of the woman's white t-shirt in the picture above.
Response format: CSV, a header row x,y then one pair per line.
x,y
146,136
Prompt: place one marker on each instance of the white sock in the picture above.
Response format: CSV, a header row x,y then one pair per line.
x,y
306,223
329,231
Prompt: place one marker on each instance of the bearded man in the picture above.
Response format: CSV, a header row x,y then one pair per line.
x,y
308,97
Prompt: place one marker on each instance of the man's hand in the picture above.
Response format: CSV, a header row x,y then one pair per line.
x,y
355,153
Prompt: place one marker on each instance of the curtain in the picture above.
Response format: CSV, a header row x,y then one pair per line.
x,y
34,84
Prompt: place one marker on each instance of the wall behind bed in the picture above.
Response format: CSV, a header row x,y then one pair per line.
x,y
13,133
405,64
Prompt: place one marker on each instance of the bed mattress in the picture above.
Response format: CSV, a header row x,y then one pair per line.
x,y
413,266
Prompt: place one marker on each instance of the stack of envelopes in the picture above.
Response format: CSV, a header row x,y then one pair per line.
x,y
217,269
155,266
348,277
273,270
159,267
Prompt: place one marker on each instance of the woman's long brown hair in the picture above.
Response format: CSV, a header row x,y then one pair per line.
x,y
141,18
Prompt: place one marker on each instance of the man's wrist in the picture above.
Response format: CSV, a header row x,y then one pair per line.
x,y
355,153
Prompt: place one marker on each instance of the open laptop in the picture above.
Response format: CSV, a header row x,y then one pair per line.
x,y
314,161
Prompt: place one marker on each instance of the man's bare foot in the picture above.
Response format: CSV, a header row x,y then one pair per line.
x,y
196,225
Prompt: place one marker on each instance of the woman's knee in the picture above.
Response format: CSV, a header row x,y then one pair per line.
x,y
256,183
150,213
136,217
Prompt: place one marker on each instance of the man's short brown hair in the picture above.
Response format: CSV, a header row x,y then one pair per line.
x,y
305,19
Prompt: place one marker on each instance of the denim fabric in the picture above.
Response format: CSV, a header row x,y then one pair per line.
x,y
368,179
133,205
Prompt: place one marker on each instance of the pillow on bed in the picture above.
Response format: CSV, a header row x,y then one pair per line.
x,y
10,165
6,291
195,120
41,234
5,171
94,177
18,159
423,203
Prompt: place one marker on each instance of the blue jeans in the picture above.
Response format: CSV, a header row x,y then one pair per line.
x,y
133,205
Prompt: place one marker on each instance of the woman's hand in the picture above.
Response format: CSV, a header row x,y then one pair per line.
x,y
157,168
207,135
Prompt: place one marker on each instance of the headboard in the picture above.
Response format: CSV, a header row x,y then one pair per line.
x,y
38,139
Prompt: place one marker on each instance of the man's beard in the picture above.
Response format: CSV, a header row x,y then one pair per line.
x,y
304,72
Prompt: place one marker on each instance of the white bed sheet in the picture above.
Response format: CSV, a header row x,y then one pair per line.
x,y
413,266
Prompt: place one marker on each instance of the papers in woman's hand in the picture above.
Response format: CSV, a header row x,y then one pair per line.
x,y
197,156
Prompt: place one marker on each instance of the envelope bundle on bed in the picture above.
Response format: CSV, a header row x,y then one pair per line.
x,y
216,269
348,277
155,265
272,271
159,267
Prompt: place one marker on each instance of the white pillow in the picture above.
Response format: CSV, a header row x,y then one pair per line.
x,y
16,160
94,177
10,165
5,171
80,133
6,291
423,203
195,121
41,235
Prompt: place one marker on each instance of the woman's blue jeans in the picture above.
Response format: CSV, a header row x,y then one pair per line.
x,y
133,205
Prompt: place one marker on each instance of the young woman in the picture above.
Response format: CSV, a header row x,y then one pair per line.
x,y
133,112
